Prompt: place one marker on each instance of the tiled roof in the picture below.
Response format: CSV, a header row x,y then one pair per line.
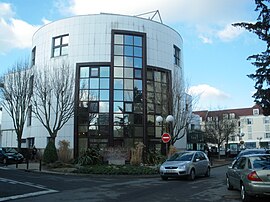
x,y
238,112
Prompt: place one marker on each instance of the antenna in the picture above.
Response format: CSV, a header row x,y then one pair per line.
x,y
155,13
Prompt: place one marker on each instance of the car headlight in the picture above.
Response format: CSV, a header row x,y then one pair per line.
x,y
182,167
161,168
10,157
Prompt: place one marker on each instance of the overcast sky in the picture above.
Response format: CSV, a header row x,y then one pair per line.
x,y
215,53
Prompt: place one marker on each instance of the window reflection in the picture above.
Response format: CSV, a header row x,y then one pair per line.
x,y
137,41
118,50
118,131
104,107
84,72
128,72
137,51
118,60
118,119
128,107
118,107
84,84
118,39
104,95
94,72
138,62
93,95
128,84
118,83
118,95
128,39
138,84
129,50
83,95
104,83
128,61
138,73
94,83
104,71
128,95
118,72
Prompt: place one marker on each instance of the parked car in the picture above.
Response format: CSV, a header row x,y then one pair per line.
x,y
251,175
10,156
188,163
251,151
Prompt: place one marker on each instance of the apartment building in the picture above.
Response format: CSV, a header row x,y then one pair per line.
x,y
253,128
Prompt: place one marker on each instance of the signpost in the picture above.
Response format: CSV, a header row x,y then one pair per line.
x,y
166,137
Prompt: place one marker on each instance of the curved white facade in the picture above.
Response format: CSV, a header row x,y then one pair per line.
x,y
90,40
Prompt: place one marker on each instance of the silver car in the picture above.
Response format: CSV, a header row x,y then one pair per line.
x,y
251,175
188,163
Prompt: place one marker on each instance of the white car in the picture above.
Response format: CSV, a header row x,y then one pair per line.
x,y
188,163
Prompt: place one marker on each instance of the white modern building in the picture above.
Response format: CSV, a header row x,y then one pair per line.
x,y
124,67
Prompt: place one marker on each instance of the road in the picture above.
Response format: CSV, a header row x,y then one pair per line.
x,y
22,186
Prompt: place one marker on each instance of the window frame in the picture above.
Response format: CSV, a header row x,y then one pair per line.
x,y
60,46
176,55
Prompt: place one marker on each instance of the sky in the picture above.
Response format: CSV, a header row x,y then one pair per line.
x,y
214,52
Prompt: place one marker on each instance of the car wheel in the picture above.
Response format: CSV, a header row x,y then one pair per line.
x,y
244,196
164,178
192,175
228,184
207,174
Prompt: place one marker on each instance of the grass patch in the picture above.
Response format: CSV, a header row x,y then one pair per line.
x,y
117,170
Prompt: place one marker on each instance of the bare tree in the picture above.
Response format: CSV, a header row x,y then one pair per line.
x,y
218,130
16,91
182,104
53,99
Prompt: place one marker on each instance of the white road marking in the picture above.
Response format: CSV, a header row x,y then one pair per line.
x,y
45,190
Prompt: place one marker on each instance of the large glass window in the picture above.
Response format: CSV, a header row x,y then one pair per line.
x,y
93,106
128,85
158,98
60,45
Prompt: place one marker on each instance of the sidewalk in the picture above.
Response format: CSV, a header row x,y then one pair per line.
x,y
36,166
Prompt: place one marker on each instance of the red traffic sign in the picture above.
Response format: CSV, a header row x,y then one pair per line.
x,y
166,137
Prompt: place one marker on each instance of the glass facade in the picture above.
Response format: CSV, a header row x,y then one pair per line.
x,y
119,102
128,103
93,105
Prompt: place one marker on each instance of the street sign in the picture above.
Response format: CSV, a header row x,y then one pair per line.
x,y
166,137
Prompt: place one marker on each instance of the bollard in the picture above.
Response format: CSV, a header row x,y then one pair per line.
x,y
40,165
27,164
16,164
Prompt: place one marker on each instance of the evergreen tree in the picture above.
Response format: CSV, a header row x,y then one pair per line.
x,y
261,60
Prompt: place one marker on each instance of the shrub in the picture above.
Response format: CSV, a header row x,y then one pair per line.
x,y
90,156
117,170
153,157
50,153
136,154
64,152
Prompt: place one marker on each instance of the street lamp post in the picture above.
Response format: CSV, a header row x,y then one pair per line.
x,y
259,138
169,120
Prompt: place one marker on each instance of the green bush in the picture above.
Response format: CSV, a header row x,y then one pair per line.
x,y
153,157
90,156
50,153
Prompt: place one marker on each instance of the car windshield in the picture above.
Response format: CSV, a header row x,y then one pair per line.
x,y
251,152
262,162
11,150
187,156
